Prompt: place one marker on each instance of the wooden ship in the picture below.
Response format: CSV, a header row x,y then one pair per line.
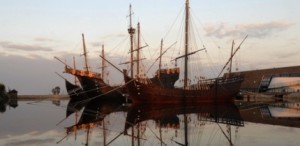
x,y
93,83
221,89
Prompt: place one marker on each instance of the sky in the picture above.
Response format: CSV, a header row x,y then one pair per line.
x,y
32,32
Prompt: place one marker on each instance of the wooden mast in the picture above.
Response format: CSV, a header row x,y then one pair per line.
x,y
103,64
186,40
137,74
85,54
131,32
74,64
138,51
232,56
160,54
230,66
229,73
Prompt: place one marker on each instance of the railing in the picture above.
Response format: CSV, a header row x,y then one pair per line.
x,y
82,73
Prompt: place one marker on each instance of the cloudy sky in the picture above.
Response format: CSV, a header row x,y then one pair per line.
x,y
34,31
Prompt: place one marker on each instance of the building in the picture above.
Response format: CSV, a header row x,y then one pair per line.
x,y
260,80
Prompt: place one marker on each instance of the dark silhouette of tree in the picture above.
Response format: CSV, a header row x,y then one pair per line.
x,y
56,90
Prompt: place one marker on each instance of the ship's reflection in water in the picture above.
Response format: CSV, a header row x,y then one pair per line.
x,y
157,124
111,123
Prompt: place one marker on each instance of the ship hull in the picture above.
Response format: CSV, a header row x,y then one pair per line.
x,y
96,88
220,90
166,77
78,99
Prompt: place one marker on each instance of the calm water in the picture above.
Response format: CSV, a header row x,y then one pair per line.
x,y
34,123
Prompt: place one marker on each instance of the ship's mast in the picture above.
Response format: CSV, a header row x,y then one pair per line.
x,y
231,54
131,32
138,51
160,54
103,64
85,54
74,64
229,73
186,41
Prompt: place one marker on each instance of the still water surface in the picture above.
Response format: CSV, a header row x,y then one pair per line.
x,y
34,123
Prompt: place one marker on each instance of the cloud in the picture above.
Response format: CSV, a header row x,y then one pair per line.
x,y
30,142
42,39
96,44
258,30
37,71
108,37
290,54
24,47
114,35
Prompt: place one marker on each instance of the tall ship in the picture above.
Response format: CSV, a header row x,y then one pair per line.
x,y
220,89
93,83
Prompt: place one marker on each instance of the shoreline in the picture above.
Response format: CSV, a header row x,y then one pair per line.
x,y
37,97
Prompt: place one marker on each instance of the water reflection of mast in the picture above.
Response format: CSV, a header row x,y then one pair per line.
x,y
76,83
87,136
104,132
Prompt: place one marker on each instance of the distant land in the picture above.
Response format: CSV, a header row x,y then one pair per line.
x,y
42,97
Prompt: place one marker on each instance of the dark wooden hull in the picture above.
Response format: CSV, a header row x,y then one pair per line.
x,y
166,77
218,90
96,88
78,99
